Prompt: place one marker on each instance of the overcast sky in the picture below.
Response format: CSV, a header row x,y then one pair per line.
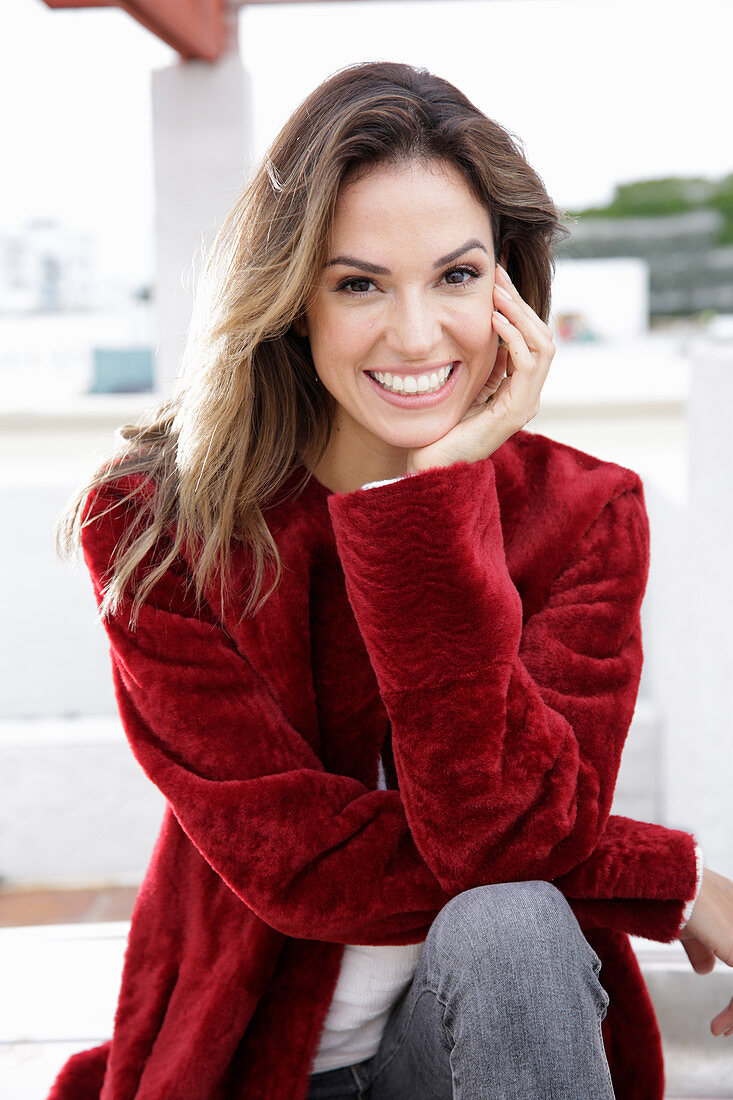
x,y
599,92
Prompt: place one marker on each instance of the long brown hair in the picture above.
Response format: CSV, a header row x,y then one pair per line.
x,y
249,406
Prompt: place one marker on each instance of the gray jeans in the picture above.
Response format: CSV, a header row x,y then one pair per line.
x,y
505,1004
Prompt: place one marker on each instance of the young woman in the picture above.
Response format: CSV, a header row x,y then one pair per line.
x,y
379,647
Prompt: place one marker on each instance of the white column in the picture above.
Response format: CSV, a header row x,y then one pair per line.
x,y
698,757
202,148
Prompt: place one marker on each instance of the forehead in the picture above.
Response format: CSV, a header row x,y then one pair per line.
x,y
410,199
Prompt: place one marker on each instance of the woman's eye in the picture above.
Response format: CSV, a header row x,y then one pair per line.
x,y
355,286
469,272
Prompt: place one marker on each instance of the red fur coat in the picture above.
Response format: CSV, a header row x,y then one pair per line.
x,y
489,613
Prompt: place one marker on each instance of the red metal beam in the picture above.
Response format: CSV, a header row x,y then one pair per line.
x,y
196,29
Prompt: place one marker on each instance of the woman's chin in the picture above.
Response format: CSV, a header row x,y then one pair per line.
x,y
409,437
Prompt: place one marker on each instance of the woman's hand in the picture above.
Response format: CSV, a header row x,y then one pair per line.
x,y
709,934
510,396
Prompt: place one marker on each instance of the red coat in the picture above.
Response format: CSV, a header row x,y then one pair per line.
x,y
488,612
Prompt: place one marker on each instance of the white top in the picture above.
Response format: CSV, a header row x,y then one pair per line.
x,y
370,981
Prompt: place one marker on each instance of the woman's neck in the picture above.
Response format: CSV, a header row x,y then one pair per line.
x,y
342,469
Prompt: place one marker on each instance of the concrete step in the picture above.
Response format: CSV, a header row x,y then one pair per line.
x,y
697,1063
75,805
60,985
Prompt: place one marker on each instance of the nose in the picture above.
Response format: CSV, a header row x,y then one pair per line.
x,y
413,328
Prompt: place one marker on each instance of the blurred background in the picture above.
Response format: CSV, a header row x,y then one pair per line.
x,y
126,136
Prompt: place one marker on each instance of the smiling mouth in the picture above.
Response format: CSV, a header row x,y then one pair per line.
x,y
413,385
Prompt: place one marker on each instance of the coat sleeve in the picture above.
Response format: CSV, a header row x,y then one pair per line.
x,y
315,855
630,880
507,734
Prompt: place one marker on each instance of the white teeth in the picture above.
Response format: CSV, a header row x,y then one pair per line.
x,y
424,383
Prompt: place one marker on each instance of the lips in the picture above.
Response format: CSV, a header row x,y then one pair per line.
x,y
418,400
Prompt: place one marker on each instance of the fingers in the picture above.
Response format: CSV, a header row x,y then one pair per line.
x,y
526,374
722,1024
703,959
537,334
502,366
530,346
511,393
519,355
700,956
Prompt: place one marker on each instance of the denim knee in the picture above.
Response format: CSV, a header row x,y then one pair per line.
x,y
516,920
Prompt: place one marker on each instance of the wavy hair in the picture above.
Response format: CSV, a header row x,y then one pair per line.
x,y
249,407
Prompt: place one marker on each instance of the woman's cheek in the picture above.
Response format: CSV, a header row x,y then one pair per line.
x,y
479,335
474,320
335,342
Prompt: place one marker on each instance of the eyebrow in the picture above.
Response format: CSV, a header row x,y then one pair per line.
x,y
376,269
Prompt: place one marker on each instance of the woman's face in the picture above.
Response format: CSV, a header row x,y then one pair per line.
x,y
407,292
